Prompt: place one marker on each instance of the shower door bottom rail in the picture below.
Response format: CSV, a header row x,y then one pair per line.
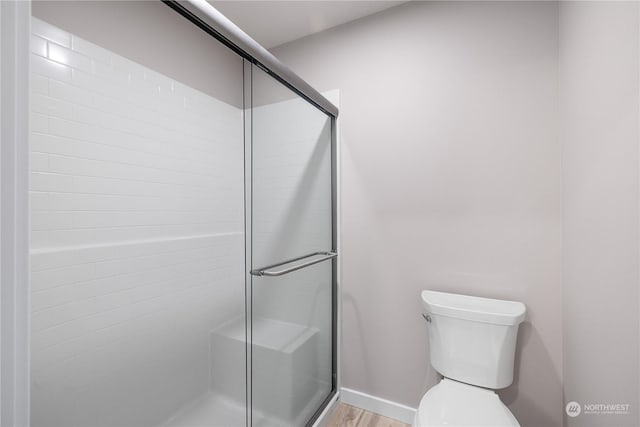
x,y
267,271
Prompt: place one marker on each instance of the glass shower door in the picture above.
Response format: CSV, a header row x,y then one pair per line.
x,y
292,257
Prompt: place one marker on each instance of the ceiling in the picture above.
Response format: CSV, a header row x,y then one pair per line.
x,y
272,23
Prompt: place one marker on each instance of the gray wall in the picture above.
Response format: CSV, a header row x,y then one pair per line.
x,y
599,75
451,181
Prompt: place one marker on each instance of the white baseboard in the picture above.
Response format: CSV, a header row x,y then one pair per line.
x,y
378,405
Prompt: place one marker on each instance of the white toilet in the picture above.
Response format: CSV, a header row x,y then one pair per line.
x,y
472,343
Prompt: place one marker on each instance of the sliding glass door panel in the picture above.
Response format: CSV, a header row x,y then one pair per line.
x,y
292,255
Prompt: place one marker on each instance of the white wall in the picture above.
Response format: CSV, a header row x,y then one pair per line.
x,y
15,34
599,94
137,243
451,180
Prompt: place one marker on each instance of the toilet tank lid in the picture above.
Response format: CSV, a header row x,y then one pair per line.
x,y
477,309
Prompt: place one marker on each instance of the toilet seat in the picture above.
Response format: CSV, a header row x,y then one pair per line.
x,y
452,403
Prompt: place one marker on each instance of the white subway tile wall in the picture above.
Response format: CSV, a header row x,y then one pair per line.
x,y
137,245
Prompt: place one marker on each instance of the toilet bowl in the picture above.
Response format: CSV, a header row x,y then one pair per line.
x,y
472,345
452,403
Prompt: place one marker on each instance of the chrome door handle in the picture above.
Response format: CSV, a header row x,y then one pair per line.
x,y
267,271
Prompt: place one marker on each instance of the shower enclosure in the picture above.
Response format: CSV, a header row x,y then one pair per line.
x,y
183,215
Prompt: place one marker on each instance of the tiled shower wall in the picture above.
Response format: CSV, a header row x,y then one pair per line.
x,y
136,234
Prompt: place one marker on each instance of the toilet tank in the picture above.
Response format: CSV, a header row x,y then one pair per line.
x,y
472,339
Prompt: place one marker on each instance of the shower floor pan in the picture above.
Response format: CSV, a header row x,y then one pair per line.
x,y
286,384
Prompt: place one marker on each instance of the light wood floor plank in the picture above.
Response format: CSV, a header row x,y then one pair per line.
x,y
337,415
350,416
369,419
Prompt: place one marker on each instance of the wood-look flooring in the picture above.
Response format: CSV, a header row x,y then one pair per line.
x,y
350,416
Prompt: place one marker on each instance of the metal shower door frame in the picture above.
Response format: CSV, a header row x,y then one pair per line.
x,y
332,255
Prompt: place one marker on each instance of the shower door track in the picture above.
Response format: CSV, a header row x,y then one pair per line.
x,y
201,13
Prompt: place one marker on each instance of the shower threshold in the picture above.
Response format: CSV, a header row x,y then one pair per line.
x,y
220,411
